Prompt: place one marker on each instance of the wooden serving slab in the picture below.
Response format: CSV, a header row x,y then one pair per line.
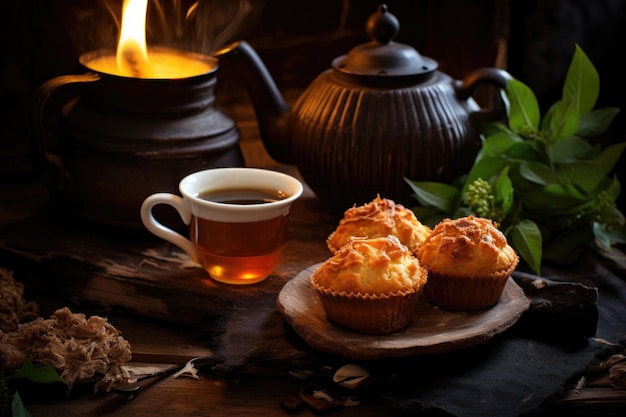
x,y
431,331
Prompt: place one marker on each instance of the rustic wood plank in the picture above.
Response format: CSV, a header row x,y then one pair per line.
x,y
147,277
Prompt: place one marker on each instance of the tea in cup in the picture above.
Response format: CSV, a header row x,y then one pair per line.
x,y
237,220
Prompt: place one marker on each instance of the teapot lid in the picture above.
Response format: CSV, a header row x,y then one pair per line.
x,y
382,57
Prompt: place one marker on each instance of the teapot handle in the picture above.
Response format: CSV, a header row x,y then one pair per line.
x,y
40,142
491,76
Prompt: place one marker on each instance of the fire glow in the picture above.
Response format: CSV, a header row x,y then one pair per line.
x,y
132,51
134,59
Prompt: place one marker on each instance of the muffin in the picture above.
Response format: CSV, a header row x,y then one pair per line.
x,y
370,285
468,261
379,218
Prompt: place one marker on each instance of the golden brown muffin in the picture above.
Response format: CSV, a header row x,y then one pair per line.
x,y
469,262
379,218
370,285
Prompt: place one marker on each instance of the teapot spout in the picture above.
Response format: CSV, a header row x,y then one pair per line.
x,y
272,111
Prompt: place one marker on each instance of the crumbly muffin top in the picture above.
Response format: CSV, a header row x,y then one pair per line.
x,y
381,217
467,246
381,265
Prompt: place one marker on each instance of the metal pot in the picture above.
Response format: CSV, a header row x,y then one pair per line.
x,y
123,138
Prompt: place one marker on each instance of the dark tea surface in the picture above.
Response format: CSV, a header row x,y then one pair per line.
x,y
242,196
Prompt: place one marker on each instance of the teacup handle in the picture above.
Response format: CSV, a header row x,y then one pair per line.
x,y
165,232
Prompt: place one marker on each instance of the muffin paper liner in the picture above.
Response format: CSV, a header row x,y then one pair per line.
x,y
466,293
367,313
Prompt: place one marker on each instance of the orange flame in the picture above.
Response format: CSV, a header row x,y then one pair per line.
x,y
132,51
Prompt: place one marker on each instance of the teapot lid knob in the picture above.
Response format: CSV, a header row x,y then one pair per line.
x,y
382,26
382,57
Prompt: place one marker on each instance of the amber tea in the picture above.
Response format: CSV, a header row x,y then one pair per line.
x,y
237,220
235,252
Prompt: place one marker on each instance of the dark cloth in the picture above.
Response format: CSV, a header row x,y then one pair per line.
x,y
518,370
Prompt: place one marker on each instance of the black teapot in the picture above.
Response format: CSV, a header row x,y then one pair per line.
x,y
382,113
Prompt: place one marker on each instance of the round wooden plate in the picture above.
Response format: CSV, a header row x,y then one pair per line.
x,y
431,331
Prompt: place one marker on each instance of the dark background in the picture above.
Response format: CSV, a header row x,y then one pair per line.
x,y
533,39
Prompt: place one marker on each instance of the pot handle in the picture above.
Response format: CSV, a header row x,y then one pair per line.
x,y
44,92
490,76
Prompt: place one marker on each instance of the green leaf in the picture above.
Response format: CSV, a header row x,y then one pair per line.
x,y
498,144
611,217
587,174
503,191
596,122
608,157
613,189
442,196
580,92
569,150
462,212
524,111
41,373
607,237
561,121
493,128
525,237
582,83
528,150
584,174
429,216
538,173
486,168
566,246
554,199
18,409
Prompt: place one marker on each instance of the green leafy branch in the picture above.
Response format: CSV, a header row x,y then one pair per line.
x,y
10,401
541,179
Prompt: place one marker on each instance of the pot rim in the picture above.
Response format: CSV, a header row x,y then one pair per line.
x,y
89,56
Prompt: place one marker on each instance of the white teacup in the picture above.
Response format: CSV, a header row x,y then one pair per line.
x,y
237,220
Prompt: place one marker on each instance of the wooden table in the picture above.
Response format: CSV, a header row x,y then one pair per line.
x,y
170,311
149,290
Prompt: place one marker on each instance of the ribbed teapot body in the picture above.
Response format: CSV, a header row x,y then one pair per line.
x,y
353,142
